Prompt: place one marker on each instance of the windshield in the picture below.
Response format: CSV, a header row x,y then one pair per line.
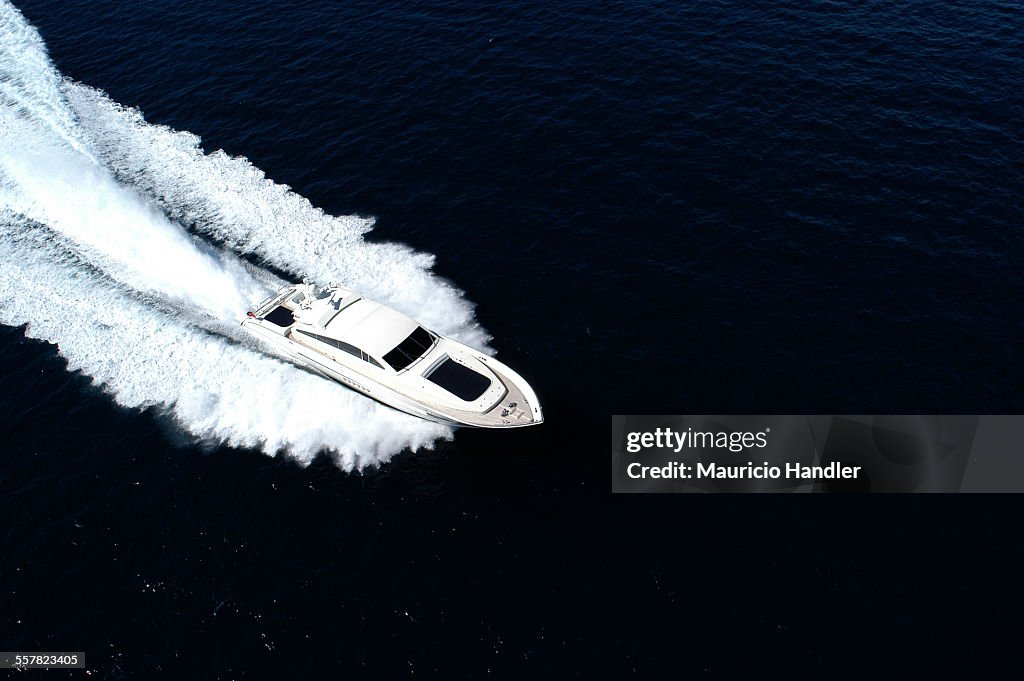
x,y
410,350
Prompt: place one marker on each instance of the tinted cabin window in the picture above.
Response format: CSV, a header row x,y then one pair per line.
x,y
342,345
410,350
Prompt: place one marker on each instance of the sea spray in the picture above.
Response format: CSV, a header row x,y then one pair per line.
x,y
129,239
231,201
217,390
148,311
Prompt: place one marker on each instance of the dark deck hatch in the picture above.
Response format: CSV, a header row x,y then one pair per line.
x,y
281,316
459,380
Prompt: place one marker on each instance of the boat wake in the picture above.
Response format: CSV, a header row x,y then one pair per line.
x,y
121,240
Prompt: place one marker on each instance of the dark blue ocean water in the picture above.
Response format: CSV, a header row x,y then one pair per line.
x,y
704,207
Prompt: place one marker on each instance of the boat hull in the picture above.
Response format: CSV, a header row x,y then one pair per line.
x,y
524,410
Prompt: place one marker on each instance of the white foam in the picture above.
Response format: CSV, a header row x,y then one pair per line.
x,y
30,84
217,390
119,231
233,202
93,264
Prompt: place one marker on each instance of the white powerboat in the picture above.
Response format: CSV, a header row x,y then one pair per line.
x,y
388,356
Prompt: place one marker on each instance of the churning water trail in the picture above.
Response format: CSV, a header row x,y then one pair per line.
x,y
232,202
149,311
